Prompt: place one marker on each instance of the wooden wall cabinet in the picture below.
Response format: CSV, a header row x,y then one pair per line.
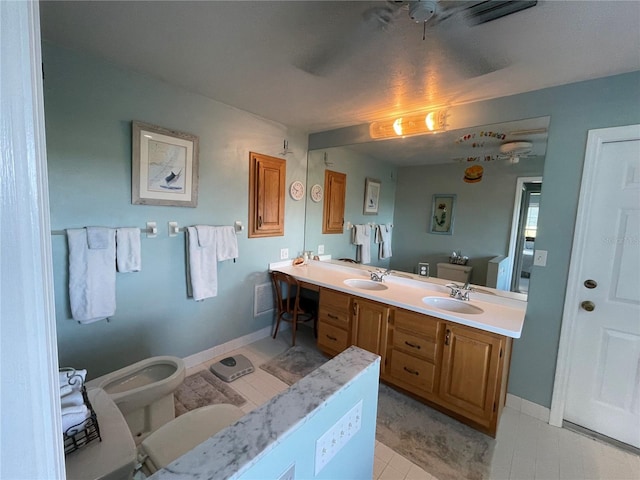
x,y
267,177
460,370
335,190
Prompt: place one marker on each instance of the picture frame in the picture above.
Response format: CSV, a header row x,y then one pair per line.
x,y
442,214
371,196
164,166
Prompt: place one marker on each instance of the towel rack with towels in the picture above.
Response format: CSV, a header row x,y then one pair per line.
x,y
142,230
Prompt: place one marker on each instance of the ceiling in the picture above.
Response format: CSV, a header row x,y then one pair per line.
x,y
319,65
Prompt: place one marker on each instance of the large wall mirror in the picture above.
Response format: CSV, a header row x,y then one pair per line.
x,y
492,172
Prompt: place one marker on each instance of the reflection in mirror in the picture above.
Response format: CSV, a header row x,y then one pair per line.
x,y
484,167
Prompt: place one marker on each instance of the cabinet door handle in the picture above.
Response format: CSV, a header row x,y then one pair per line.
x,y
412,345
332,338
447,337
260,221
411,371
334,317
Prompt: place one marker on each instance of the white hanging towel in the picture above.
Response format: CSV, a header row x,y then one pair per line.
x,y
362,238
202,267
92,273
226,243
128,256
383,239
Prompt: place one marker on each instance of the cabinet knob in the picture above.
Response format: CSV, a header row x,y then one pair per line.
x,y
447,337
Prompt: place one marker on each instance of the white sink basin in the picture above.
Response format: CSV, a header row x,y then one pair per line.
x,y
365,284
452,305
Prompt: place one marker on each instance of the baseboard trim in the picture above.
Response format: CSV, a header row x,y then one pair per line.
x,y
528,408
211,353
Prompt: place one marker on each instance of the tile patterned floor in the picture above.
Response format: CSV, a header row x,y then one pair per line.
x,y
526,448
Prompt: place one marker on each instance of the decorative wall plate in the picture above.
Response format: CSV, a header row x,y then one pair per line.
x,y
316,193
297,190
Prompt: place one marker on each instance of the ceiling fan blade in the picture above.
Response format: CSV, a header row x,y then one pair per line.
x,y
334,54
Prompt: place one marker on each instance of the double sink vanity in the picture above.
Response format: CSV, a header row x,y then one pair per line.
x,y
451,354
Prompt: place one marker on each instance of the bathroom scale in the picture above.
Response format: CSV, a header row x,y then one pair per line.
x,y
230,368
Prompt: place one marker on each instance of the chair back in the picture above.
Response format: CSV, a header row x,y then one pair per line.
x,y
285,288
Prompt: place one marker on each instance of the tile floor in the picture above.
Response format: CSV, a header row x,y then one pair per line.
x,y
526,448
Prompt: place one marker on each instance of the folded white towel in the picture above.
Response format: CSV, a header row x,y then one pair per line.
x,y
202,267
362,237
206,235
226,243
92,277
72,380
128,257
98,237
75,417
383,239
71,400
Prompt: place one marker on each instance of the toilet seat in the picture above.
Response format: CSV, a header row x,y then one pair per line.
x,y
177,437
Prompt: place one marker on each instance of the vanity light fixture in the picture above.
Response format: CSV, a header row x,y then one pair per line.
x,y
414,124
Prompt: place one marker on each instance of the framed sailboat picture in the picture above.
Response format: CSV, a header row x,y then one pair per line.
x,y
164,166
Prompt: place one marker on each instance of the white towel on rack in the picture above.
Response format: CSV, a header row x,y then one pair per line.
x,y
98,237
226,243
362,238
202,267
74,416
128,256
71,400
73,379
383,239
92,277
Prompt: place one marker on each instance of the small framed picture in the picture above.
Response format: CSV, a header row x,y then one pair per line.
x,y
442,213
164,167
371,196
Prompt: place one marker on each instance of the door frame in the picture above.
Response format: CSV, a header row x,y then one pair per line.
x,y
515,219
595,140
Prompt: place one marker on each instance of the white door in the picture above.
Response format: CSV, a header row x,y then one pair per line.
x,y
603,385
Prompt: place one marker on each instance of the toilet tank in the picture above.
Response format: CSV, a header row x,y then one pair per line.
x,y
456,273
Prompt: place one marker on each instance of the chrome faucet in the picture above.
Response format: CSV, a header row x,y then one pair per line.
x,y
379,275
460,292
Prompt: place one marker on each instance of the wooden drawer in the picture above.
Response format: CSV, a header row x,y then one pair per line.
x,y
417,322
335,300
411,370
332,338
337,317
415,345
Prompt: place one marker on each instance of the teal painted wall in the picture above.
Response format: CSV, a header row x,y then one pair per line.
x,y
357,168
353,461
89,106
574,109
482,214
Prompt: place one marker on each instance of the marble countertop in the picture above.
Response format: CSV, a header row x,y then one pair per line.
x,y
500,315
232,451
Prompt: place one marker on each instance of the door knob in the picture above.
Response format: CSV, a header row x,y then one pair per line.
x,y
588,306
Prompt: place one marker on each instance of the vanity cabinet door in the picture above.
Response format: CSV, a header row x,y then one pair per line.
x,y
267,177
369,326
335,189
471,368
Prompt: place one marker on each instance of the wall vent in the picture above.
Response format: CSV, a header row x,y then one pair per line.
x,y
263,299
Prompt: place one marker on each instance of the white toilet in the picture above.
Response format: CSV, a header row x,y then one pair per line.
x,y
143,392
115,457
453,272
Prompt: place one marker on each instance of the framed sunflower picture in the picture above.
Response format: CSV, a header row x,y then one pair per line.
x,y
442,214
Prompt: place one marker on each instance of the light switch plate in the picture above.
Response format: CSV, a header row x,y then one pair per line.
x,y
320,249
332,441
540,258
284,253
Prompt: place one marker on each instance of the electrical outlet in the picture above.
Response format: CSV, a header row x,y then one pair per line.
x,y
332,441
320,249
284,253
540,258
289,473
